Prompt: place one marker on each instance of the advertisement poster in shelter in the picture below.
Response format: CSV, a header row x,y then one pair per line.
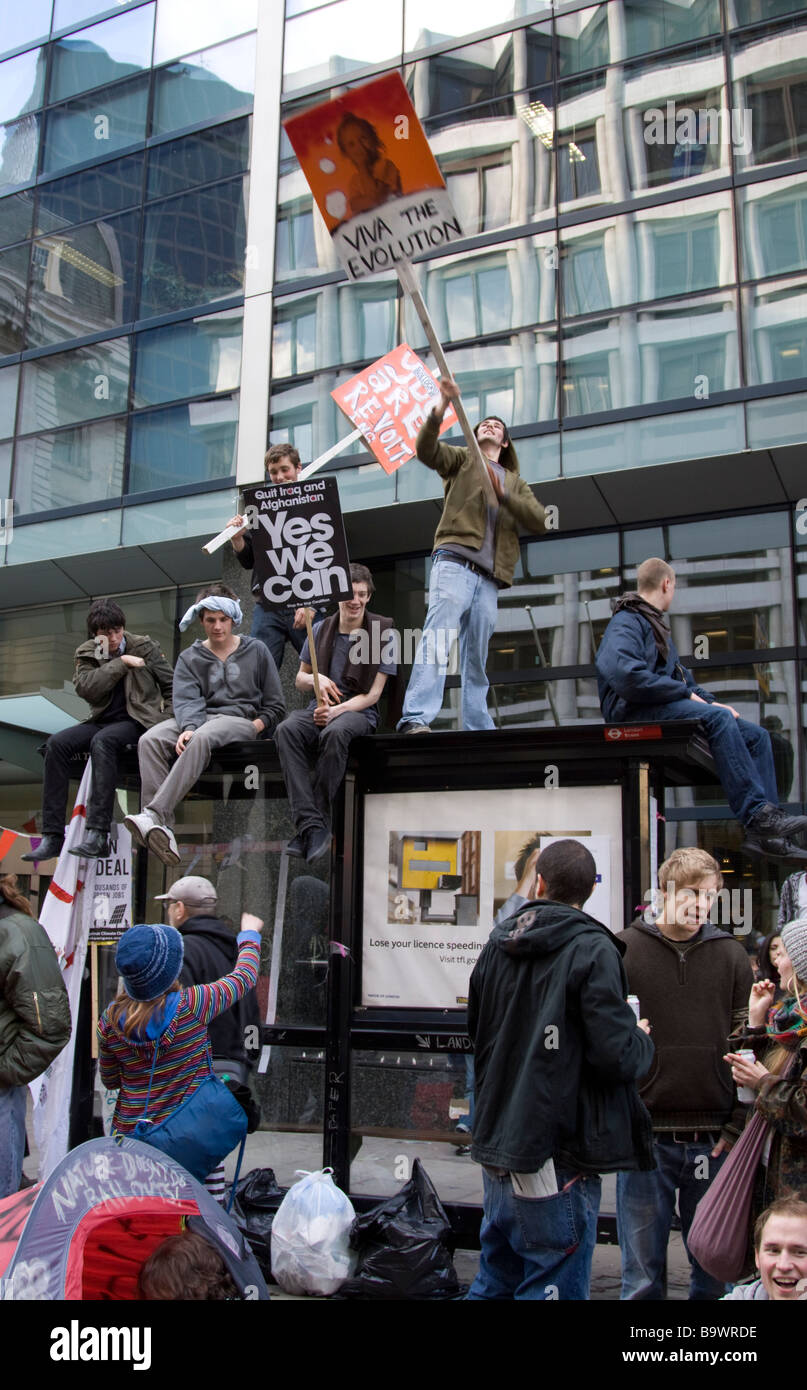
x,y
373,176
298,539
388,401
438,866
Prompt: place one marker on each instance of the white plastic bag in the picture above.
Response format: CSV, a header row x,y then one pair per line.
x,y
310,1236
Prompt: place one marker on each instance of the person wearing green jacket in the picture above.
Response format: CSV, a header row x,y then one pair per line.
x,y
126,681
34,1020
475,553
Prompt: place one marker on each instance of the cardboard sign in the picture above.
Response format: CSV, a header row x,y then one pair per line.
x,y
108,896
374,177
298,538
389,401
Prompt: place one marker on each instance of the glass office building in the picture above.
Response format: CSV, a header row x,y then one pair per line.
x,y
630,291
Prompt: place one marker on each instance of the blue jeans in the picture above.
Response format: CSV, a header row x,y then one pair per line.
x,y
459,601
537,1248
12,1137
742,752
274,629
645,1203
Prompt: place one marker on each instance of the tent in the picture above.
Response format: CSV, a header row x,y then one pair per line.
x,y
94,1222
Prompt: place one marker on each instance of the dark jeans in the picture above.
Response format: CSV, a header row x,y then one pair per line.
x,y
741,751
301,743
274,629
104,742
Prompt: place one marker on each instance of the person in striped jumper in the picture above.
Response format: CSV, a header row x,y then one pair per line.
x,y
154,1012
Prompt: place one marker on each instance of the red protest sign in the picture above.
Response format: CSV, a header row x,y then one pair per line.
x,y
373,176
388,401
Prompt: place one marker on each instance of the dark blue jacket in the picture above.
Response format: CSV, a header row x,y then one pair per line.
x,y
631,671
556,1048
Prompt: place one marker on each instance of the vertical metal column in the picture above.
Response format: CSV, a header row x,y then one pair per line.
x,y
339,1004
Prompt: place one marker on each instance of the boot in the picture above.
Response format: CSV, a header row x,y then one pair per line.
x,y
95,845
770,820
50,847
769,846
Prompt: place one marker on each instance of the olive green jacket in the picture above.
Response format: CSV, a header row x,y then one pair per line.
x,y
465,506
148,688
34,1007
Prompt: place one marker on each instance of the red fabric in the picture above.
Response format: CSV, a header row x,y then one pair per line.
x,y
114,1240
13,1216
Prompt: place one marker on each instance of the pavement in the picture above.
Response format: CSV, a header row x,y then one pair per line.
x,y
382,1166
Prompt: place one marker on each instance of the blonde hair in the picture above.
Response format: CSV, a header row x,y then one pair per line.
x,y
139,1012
687,868
652,573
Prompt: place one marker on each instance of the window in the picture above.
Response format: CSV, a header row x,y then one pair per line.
x,y
83,280
102,54
70,386
685,255
205,86
294,339
183,444
477,300
94,126
587,385
90,194
481,191
204,158
189,359
13,280
69,468
296,250
193,249
578,167
585,277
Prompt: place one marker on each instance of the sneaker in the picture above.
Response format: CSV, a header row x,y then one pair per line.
x,y
139,826
771,820
793,827
160,840
49,847
95,845
415,729
317,842
296,846
776,847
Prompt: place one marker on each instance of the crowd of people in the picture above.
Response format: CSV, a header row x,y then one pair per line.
x,y
570,1080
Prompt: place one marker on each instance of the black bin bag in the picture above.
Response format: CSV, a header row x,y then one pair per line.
x,y
405,1246
257,1198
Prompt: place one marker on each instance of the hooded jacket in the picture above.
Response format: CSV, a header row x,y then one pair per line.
x,y
147,688
210,951
632,672
245,685
34,1007
464,516
692,994
556,1047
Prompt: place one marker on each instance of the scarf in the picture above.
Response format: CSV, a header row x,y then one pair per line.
x,y
636,604
787,1022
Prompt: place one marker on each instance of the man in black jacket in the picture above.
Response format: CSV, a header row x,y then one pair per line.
x,y
557,1051
352,650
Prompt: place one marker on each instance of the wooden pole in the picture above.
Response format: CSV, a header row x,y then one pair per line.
x,y
313,655
94,998
409,285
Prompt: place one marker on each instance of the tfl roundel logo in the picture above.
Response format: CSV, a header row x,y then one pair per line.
x,y
614,733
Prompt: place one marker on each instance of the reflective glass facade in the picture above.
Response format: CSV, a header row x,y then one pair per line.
x,y
113,219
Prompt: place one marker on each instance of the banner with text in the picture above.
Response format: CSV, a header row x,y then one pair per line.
x,y
388,401
373,176
298,539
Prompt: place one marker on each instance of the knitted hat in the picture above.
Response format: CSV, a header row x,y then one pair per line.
x,y
149,959
794,939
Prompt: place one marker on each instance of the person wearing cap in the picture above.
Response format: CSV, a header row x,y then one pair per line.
x,y
210,951
475,553
153,1012
777,1034
226,690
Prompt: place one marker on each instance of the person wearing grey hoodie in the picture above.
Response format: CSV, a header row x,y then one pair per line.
x,y
226,690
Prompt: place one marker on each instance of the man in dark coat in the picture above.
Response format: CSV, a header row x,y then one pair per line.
x,y
354,651
641,680
557,1052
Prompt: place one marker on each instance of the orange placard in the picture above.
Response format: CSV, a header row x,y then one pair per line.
x,y
373,176
389,401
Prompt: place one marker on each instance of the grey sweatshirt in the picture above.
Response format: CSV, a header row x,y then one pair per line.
x,y
246,685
